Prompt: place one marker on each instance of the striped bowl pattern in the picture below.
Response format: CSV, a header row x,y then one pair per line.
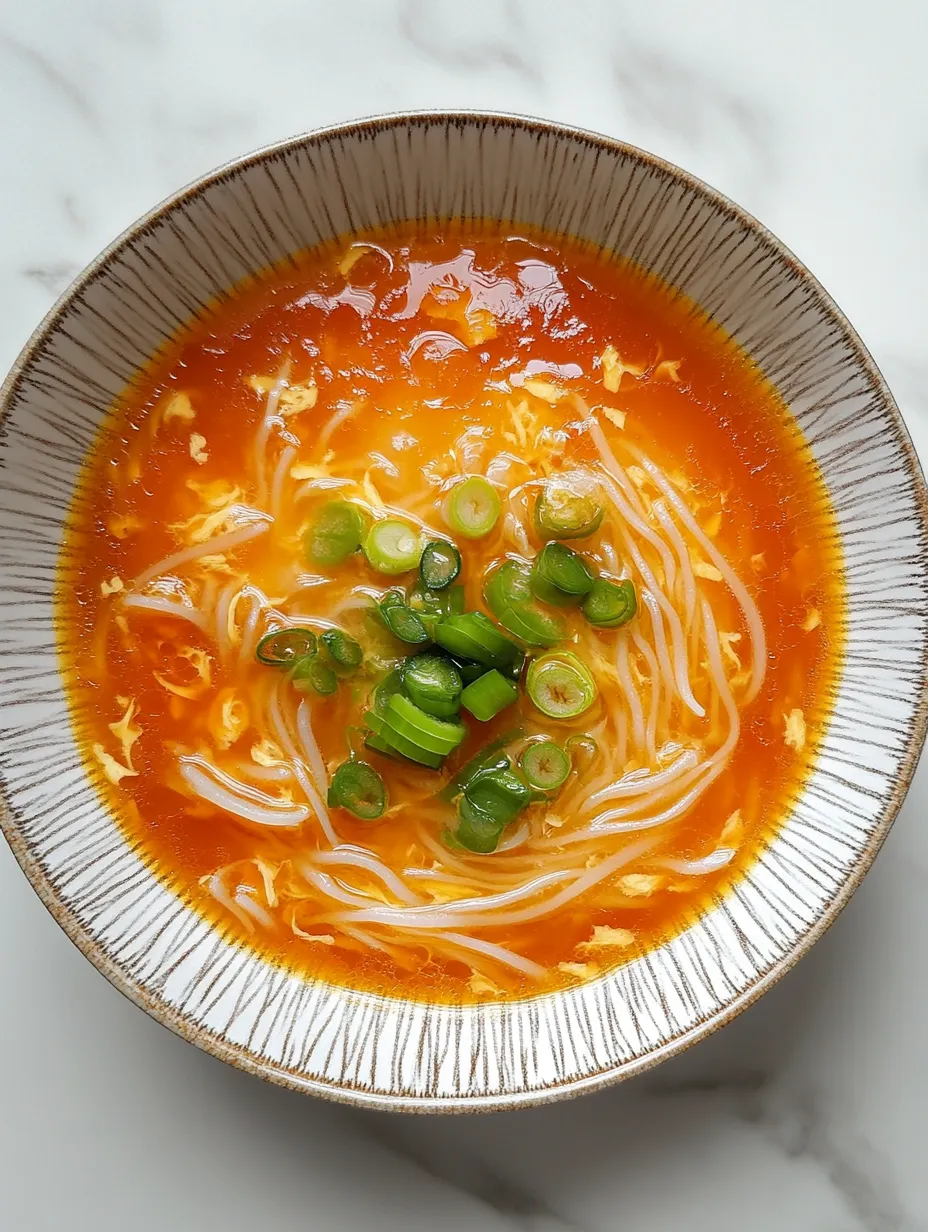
x,y
390,1053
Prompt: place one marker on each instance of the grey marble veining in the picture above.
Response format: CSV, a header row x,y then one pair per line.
x,y
807,1113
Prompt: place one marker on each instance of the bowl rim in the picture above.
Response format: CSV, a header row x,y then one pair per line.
x,y
235,1054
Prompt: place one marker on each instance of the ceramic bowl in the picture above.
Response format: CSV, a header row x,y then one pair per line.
x,y
392,1053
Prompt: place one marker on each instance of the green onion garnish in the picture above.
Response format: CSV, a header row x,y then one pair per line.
x,y
610,604
357,787
570,506
311,675
404,623
545,765
283,647
472,507
560,575
509,598
392,742
560,685
345,652
488,695
404,718
434,684
474,636
440,564
392,546
335,533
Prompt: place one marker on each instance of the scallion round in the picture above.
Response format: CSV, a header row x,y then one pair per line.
x,y
392,547
335,533
344,651
571,505
560,575
472,507
311,675
509,598
357,787
610,604
545,765
486,696
283,647
440,564
560,685
434,684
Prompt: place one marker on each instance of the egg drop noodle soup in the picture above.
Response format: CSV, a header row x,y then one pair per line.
x,y
450,612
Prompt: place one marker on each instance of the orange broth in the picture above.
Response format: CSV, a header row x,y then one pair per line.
x,y
426,365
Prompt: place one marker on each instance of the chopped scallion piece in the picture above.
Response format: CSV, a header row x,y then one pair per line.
x,y
434,684
344,651
395,743
440,564
311,675
357,787
392,546
509,598
472,507
500,794
560,575
404,718
545,765
571,505
488,695
474,636
283,647
610,604
336,532
560,685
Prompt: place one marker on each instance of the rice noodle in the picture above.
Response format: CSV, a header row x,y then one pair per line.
x,y
165,607
210,783
257,524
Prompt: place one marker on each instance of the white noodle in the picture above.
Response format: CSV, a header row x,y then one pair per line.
x,y
241,799
165,607
219,543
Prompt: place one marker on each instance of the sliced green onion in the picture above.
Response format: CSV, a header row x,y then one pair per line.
x,y
311,675
283,647
476,831
391,683
509,598
345,652
392,546
440,564
472,507
501,794
560,685
404,623
488,695
448,602
357,787
471,671
545,765
395,743
336,532
582,750
571,505
434,684
610,604
404,718
474,636
489,757
560,575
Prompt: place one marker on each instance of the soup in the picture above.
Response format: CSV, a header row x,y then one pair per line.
x,y
450,612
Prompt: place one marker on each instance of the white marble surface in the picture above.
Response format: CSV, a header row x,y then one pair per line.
x,y
806,1114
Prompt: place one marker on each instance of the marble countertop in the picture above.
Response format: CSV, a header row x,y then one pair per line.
x,y
805,1114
